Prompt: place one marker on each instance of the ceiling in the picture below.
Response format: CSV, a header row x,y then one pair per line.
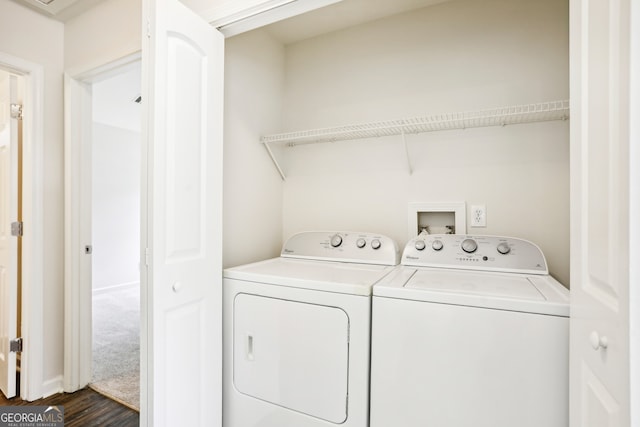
x,y
338,16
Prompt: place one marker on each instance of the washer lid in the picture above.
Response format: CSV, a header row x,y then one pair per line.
x,y
329,276
501,291
486,285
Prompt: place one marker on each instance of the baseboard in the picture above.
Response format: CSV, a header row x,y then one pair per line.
x,y
115,288
52,386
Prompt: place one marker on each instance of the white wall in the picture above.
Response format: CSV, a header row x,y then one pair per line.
x,y
115,206
457,56
254,82
116,152
35,38
109,31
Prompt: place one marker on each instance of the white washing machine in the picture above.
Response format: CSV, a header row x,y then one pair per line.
x,y
297,332
470,332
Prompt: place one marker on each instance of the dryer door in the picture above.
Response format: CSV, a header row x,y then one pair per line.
x,y
292,354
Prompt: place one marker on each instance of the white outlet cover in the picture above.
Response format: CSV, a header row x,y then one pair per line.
x,y
478,216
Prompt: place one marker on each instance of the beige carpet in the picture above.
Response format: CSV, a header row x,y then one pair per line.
x,y
116,345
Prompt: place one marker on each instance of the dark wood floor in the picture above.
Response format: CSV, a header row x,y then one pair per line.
x,y
84,408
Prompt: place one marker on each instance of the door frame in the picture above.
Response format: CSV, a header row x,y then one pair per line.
x,y
634,212
78,351
32,328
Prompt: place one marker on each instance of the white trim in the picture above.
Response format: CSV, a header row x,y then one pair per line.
x,y
104,71
78,296
233,21
634,212
52,386
31,378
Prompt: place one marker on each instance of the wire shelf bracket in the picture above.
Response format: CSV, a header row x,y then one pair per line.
x,y
502,116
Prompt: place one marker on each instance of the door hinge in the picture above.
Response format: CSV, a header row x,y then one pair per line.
x,y
15,346
17,228
16,111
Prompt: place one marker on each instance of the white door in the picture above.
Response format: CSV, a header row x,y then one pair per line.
x,y
181,383
600,144
8,243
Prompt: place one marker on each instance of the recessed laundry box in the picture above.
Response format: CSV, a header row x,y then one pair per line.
x,y
297,332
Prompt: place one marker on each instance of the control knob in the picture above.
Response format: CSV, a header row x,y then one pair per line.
x,y
437,245
469,246
503,248
420,245
336,240
375,244
361,243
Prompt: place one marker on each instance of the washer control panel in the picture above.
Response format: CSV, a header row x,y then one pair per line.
x,y
365,248
489,253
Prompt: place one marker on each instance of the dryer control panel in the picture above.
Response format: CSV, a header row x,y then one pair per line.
x,y
486,253
358,247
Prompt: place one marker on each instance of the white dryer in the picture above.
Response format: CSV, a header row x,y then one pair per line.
x,y
470,332
297,332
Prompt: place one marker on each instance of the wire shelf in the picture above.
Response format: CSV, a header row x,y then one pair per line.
x,y
510,115
529,113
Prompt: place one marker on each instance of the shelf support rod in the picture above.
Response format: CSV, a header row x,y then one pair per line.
x,y
406,151
275,162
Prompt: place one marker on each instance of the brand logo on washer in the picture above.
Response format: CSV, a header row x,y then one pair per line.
x,y
288,251
411,257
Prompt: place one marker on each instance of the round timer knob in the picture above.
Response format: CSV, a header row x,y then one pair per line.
x,y
469,246
361,243
420,245
375,244
336,241
437,245
503,248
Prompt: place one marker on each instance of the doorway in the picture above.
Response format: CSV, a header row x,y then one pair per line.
x,y
115,234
